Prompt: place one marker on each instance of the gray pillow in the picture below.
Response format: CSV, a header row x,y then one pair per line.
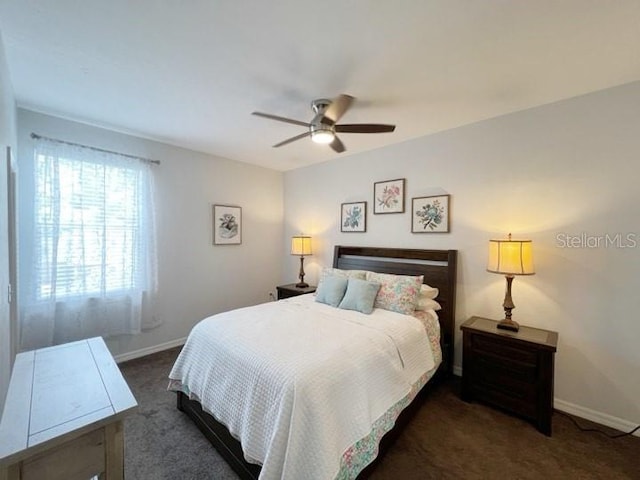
x,y
331,290
360,296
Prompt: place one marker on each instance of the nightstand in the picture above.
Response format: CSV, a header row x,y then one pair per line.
x,y
290,290
510,370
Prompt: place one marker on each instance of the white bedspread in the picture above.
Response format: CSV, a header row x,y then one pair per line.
x,y
299,382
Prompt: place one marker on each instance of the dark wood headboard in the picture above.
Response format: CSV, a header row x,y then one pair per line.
x,y
438,268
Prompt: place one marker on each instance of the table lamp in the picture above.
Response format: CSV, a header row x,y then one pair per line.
x,y
510,258
301,246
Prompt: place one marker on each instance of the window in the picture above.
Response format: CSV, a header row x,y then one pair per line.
x,y
90,268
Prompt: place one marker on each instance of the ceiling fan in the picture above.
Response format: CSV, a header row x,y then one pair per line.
x,y
323,127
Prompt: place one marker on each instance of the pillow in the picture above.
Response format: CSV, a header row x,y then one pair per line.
x,y
331,290
398,293
336,272
428,292
427,304
360,296
426,299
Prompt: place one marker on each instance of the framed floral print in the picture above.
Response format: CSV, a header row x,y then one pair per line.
x,y
430,214
353,217
388,196
227,225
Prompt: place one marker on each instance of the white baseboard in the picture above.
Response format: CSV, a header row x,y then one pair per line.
x,y
583,412
149,350
595,416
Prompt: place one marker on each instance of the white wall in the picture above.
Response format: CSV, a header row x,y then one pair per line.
x,y
566,168
7,138
196,279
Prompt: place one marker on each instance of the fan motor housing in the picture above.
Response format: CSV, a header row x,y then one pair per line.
x,y
320,105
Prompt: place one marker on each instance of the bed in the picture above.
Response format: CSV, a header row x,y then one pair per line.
x,y
301,431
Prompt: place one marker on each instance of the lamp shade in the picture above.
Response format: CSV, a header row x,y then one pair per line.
x,y
301,245
510,257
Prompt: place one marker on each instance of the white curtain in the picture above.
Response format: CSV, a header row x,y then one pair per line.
x,y
89,262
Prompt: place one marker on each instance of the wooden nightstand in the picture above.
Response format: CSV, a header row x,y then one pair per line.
x,y
290,290
510,370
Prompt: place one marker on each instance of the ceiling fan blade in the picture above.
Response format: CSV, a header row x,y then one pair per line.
x,y
280,119
337,145
338,107
365,128
292,139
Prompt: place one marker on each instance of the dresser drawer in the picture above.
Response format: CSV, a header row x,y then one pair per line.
x,y
504,350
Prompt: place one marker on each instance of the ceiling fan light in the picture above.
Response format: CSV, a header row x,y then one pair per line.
x,y
323,136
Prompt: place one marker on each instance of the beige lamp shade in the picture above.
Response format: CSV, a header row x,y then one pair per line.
x,y
510,257
301,245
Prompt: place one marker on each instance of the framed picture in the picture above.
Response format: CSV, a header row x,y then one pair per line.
x,y
430,214
353,217
388,196
227,225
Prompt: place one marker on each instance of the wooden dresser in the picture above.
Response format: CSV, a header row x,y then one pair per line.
x,y
510,370
63,415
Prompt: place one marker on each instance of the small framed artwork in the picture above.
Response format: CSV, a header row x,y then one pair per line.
x,y
388,196
227,225
353,217
430,214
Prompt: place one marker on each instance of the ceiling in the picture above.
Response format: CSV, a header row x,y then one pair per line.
x,y
190,73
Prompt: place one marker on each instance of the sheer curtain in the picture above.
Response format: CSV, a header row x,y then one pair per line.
x,y
88,266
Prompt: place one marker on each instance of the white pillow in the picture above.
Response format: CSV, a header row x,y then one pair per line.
x,y
427,304
426,299
428,292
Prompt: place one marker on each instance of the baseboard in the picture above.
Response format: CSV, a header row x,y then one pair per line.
x,y
595,416
149,350
583,412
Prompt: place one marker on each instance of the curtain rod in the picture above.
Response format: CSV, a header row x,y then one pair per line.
x,y
36,136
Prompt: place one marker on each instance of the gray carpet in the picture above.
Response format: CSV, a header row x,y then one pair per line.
x,y
447,439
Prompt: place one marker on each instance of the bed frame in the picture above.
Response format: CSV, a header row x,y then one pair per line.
x,y
439,270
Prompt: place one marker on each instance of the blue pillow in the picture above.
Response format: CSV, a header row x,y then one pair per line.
x,y
331,290
360,296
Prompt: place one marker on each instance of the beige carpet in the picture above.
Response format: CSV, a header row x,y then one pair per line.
x,y
447,439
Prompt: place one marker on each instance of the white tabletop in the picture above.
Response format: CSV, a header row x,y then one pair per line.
x,y
58,393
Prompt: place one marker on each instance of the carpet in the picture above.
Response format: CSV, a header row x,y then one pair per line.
x,y
447,439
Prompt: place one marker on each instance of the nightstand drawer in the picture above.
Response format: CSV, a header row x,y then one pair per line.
x,y
519,400
282,294
291,290
504,367
506,351
505,380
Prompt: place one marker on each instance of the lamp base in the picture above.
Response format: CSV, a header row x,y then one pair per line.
x,y
302,285
508,324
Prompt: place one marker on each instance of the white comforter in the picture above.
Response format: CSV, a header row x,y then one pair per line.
x,y
299,382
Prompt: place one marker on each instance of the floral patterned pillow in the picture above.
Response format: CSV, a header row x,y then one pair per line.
x,y
336,272
398,293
